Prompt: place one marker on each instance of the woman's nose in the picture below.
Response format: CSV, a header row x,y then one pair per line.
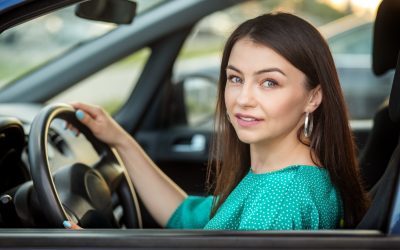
x,y
246,96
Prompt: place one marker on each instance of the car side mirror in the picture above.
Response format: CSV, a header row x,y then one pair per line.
x,y
111,11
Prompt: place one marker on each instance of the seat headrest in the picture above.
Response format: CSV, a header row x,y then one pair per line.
x,y
394,101
386,43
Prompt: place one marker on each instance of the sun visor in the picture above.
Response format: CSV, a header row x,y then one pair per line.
x,y
386,43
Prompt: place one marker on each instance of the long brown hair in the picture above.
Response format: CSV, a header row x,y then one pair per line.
x,y
331,140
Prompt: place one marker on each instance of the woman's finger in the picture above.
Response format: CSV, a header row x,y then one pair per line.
x,y
93,111
70,225
85,118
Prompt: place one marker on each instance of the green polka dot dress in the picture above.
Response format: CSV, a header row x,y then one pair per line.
x,y
296,197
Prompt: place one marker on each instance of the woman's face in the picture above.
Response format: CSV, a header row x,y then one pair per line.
x,y
265,96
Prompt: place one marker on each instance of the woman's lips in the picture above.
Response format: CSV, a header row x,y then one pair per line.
x,y
247,120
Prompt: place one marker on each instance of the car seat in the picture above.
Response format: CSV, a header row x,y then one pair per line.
x,y
381,142
384,135
380,215
380,212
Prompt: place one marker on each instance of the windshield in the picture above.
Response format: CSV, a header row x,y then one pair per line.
x,y
34,43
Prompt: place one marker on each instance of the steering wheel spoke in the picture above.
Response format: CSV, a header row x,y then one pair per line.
x,y
112,172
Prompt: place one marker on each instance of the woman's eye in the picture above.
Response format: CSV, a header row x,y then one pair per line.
x,y
235,79
268,84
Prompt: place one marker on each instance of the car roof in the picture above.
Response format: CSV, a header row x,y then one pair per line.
x,y
345,23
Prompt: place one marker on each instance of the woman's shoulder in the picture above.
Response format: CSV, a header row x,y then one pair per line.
x,y
296,180
295,174
300,196
312,176
313,184
301,181
300,172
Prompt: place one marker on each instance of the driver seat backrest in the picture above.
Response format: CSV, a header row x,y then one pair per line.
x,y
381,143
379,214
384,135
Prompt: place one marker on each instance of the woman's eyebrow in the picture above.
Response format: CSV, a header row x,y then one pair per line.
x,y
270,70
258,72
233,68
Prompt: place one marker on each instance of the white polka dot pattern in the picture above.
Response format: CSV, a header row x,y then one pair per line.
x,y
296,197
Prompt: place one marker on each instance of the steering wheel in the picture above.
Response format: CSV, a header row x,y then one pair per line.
x,y
78,192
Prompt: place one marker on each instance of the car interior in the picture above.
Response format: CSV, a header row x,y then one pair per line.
x,y
384,133
380,167
55,174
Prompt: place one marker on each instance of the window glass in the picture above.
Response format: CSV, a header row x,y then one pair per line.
x,y
113,84
358,40
26,47
347,28
200,99
350,40
34,43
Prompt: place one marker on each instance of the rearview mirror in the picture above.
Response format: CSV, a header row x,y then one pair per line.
x,y
112,11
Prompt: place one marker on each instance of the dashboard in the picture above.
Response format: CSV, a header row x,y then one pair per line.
x,y
13,169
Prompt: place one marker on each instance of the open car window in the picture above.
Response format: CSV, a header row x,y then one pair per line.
x,y
347,29
31,45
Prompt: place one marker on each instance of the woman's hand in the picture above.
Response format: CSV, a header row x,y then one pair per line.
x,y
158,192
102,125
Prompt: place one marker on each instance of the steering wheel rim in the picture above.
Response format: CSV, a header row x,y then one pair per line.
x,y
110,172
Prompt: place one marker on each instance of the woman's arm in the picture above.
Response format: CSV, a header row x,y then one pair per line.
x,y
158,192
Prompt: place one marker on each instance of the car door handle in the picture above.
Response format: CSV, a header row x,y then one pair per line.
x,y
196,145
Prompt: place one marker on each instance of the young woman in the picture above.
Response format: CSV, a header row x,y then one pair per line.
x,y
283,154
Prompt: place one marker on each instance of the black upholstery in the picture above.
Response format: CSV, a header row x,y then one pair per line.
x,y
379,172
384,135
378,215
386,37
381,142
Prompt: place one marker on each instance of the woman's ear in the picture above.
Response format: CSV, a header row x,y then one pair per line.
x,y
315,99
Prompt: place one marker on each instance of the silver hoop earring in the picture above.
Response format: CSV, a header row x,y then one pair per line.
x,y
308,125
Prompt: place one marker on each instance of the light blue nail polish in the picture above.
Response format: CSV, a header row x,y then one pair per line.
x,y
67,224
79,114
